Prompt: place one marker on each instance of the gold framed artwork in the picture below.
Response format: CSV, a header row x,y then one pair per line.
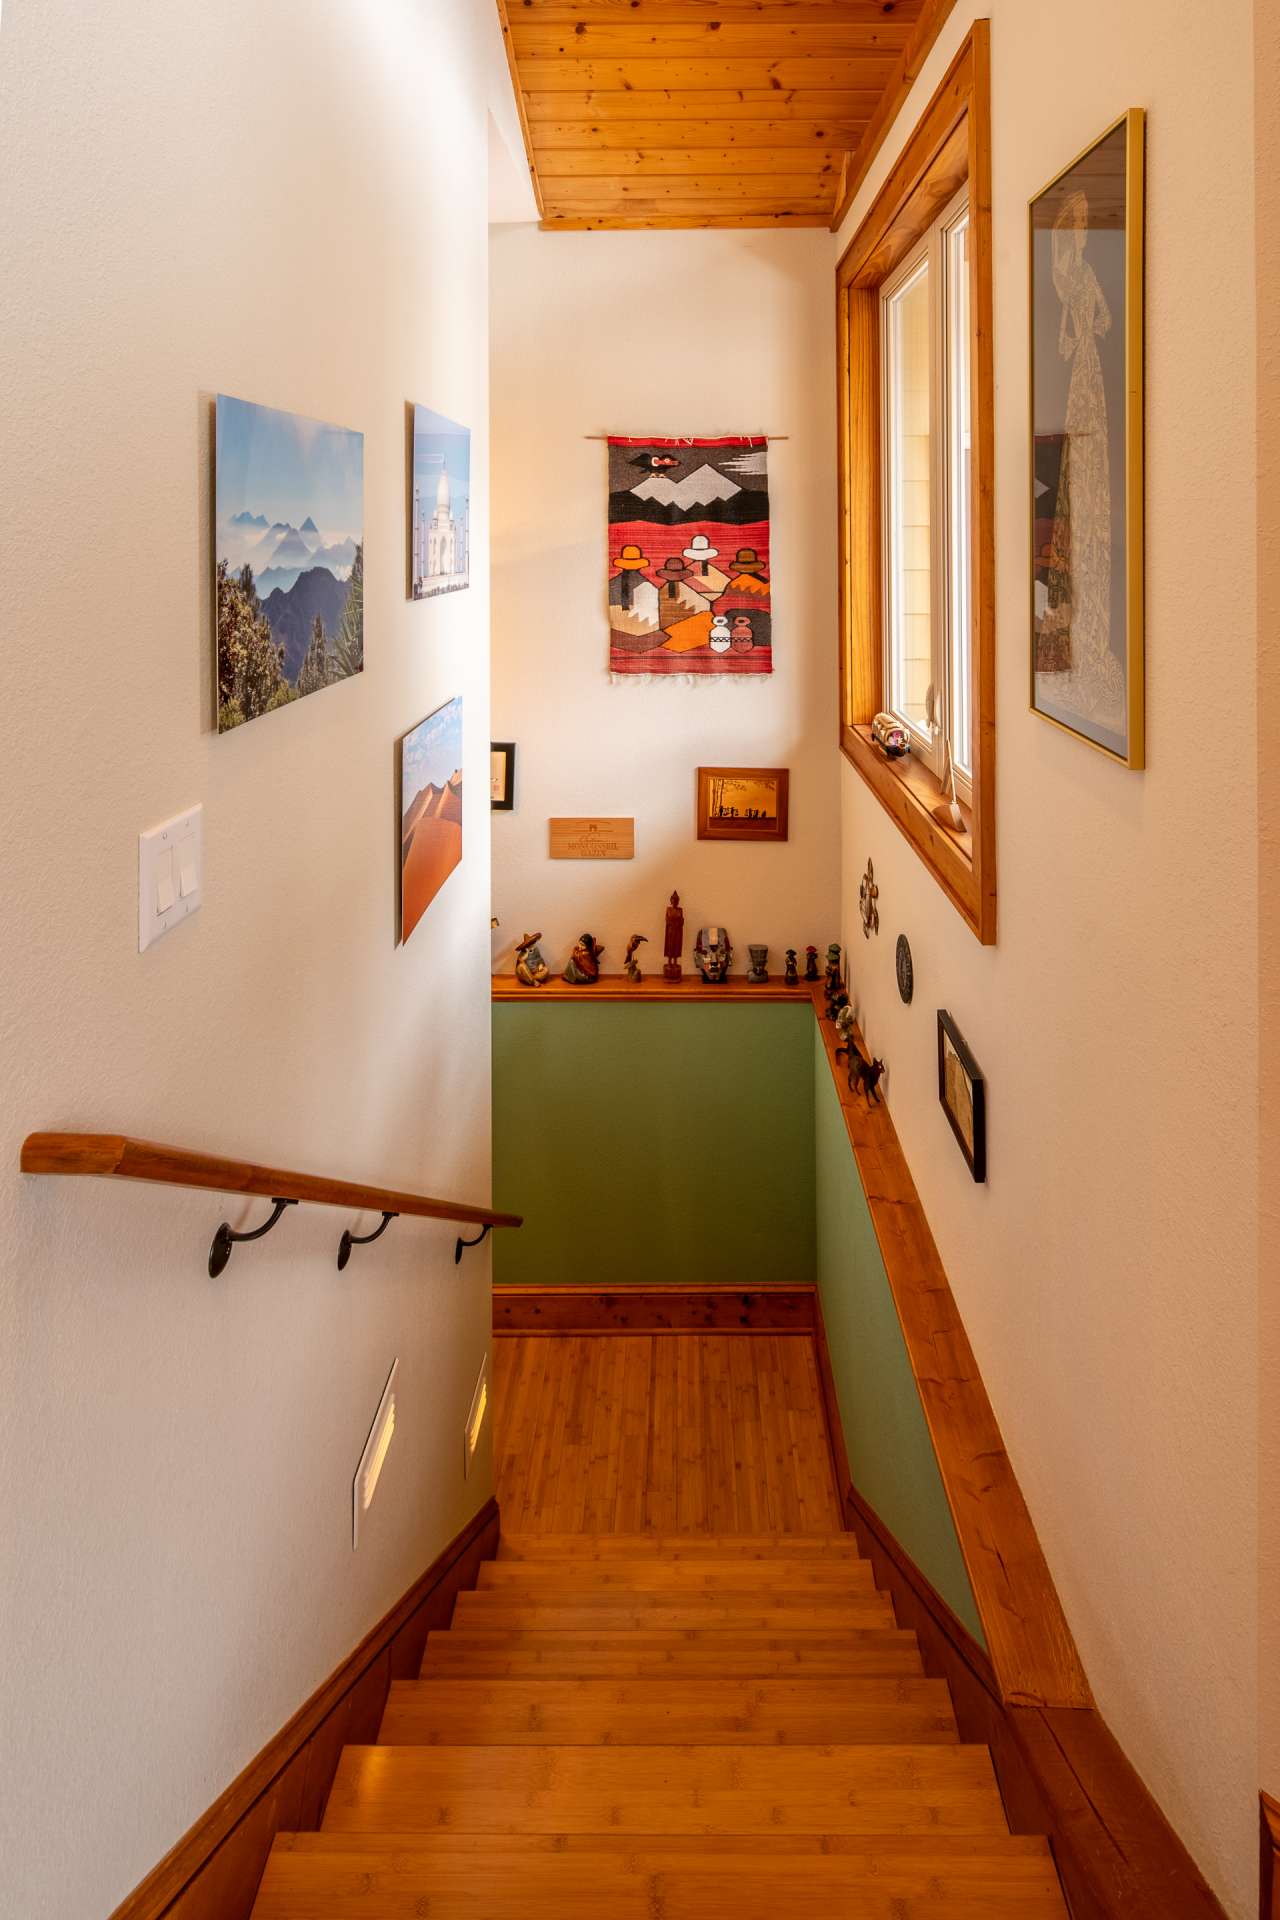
x,y
1086,312
743,803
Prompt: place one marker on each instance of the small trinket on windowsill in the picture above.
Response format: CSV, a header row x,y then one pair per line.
x,y
890,736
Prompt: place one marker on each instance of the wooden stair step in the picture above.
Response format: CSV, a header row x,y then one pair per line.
x,y
883,1650
650,1790
398,1876
538,1577
667,1712
668,1547
486,1612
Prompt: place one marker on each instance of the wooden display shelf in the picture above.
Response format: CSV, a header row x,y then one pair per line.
x,y
691,989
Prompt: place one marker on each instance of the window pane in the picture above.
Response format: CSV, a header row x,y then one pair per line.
x,y
909,625
959,549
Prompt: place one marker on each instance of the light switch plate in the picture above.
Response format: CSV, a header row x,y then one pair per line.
x,y
170,874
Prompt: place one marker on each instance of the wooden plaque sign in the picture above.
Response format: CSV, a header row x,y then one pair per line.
x,y
586,839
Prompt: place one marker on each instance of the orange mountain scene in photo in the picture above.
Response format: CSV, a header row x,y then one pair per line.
x,y
431,811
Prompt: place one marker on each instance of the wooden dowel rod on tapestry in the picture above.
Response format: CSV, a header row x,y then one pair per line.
x,y
677,438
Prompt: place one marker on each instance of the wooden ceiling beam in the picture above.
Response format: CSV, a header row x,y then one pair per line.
x,y
561,13
632,222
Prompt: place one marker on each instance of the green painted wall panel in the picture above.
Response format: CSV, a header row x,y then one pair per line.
x,y
891,1456
653,1143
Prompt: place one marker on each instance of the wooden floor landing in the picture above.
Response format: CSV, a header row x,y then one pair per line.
x,y
667,1432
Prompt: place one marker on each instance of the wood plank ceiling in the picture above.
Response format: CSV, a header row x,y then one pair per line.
x,y
709,113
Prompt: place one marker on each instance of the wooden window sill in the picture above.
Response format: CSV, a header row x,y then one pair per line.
x,y
908,792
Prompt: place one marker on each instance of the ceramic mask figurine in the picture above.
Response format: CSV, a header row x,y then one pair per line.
x,y
758,971
583,969
631,964
531,968
712,954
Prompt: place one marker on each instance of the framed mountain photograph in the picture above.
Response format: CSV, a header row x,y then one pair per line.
x,y
430,810
289,558
1086,250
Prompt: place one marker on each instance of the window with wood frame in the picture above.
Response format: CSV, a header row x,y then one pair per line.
x,y
917,564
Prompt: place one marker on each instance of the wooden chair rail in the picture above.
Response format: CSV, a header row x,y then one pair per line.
x,y
114,1156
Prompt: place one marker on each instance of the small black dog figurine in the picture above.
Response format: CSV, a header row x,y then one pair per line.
x,y
866,1073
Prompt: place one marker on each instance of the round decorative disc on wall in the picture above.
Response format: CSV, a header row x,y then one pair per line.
x,y
906,972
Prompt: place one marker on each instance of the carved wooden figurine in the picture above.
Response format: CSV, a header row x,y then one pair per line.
x,y
531,968
811,963
630,962
791,976
583,969
673,940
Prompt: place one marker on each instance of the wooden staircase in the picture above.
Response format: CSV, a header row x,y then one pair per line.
x,y
659,1728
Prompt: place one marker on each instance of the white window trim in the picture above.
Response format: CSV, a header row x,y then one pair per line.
x,y
929,749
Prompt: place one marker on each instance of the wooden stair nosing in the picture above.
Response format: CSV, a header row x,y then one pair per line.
x,y
625,1613
529,1578
672,1547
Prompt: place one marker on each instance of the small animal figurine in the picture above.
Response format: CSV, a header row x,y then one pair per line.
x,y
868,894
758,971
673,940
791,975
630,962
712,954
531,968
583,969
864,1075
811,963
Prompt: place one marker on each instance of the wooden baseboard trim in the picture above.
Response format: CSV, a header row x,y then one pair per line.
x,y
1269,1824
213,1871
655,1309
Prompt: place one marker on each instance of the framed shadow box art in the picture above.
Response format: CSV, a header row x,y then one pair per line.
x,y
743,803
1086,306
502,775
963,1093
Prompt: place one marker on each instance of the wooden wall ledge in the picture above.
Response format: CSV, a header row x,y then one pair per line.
x,y
114,1156
1031,1647
653,990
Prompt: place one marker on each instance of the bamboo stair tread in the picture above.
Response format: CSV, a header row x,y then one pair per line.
x,y
530,1578
669,1548
460,1876
583,1613
642,1790
667,1712
746,1655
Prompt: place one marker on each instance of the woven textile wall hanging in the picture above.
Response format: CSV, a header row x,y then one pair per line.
x,y
689,557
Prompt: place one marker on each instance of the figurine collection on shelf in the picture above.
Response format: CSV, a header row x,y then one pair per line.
x,y
712,956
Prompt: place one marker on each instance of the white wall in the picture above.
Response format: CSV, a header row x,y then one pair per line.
x,y
286,203
1108,1271
682,333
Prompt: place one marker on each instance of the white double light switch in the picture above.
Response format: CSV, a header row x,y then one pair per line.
x,y
170,874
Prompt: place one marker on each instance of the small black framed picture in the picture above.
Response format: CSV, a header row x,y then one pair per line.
x,y
963,1093
502,775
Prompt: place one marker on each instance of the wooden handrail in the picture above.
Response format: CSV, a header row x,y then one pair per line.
x,y
114,1156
